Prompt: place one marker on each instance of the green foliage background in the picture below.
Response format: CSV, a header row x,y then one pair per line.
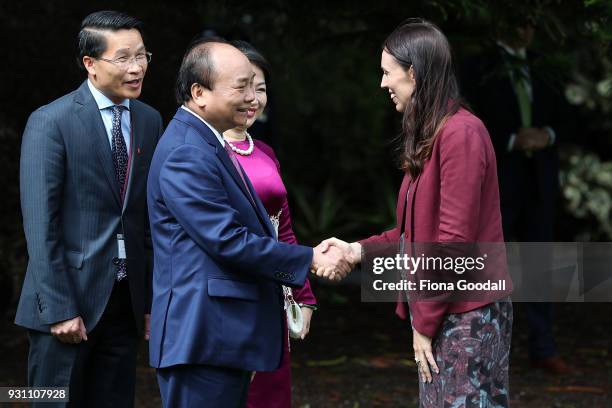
x,y
333,127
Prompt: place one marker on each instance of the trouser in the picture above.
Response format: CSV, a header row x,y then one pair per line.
x,y
99,372
186,386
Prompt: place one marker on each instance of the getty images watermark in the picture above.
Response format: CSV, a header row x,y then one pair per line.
x,y
460,272
410,265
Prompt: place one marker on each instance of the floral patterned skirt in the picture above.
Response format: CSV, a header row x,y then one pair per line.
x,y
472,351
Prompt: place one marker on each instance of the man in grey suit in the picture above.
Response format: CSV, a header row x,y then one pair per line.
x,y
84,164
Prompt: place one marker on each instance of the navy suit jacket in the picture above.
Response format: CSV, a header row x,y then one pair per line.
x,y
218,267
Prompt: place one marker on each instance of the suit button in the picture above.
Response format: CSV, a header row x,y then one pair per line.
x,y
116,261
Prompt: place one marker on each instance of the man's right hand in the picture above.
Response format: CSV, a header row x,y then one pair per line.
x,y
70,331
331,265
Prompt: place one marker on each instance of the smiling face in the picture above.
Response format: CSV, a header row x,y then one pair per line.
x,y
261,97
399,81
115,82
227,104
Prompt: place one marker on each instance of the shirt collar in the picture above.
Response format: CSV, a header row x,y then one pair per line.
x,y
518,53
102,100
217,134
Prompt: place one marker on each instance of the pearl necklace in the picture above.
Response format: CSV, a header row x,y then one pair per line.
x,y
243,152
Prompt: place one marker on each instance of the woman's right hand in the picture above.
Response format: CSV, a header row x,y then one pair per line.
x,y
423,355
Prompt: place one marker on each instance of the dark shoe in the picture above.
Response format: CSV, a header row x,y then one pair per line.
x,y
553,365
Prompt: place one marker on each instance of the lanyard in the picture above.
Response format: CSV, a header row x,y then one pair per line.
x,y
403,222
129,163
127,176
402,238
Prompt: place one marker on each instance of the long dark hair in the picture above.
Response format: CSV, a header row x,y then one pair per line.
x,y
421,45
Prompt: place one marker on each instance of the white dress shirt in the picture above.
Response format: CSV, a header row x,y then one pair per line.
x,y
105,106
217,134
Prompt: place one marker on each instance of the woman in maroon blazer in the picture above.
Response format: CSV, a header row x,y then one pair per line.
x,y
449,195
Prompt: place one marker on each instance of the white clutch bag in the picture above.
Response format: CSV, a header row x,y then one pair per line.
x,y
295,320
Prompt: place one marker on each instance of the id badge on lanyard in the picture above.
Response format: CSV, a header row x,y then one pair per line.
x,y
121,252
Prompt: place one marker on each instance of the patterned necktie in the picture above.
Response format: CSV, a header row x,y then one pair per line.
x,y
120,154
230,153
120,159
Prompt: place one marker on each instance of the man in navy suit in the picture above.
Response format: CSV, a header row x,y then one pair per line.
x,y
217,313
83,171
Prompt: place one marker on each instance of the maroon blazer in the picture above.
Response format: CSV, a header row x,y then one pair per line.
x,y
454,199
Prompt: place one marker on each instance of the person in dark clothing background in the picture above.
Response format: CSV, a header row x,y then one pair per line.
x,y
510,88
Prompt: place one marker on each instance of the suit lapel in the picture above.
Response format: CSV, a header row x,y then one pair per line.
x,y
89,114
229,165
210,137
136,140
255,202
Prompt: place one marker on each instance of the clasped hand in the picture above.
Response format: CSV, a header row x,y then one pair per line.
x,y
334,259
532,139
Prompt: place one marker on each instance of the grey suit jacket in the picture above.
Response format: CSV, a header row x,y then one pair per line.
x,y
72,212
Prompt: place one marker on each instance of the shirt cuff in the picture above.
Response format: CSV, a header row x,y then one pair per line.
x,y
511,142
552,136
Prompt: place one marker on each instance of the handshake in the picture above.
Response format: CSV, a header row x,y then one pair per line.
x,y
333,258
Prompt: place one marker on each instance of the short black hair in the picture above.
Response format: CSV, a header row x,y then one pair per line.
x,y
197,67
254,56
91,41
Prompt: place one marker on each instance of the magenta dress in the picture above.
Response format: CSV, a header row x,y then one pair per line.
x,y
272,389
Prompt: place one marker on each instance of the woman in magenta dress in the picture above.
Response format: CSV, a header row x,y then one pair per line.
x,y
268,389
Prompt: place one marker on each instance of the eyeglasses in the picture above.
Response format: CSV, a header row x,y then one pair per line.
x,y
124,63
